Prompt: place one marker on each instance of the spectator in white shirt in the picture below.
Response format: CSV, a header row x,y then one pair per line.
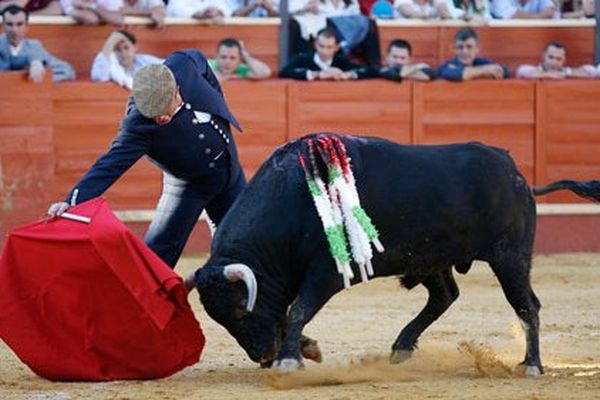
x,y
328,8
423,9
553,66
154,9
210,10
524,9
472,10
254,8
119,60
94,12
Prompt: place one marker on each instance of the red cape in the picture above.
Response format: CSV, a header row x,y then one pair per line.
x,y
91,302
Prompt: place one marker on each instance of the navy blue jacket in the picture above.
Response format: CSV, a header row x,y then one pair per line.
x,y
452,69
185,147
304,62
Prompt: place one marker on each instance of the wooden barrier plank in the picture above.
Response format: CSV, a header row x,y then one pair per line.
x,y
581,154
81,113
417,104
361,108
33,112
26,149
24,103
82,90
138,188
573,131
477,111
573,144
26,139
540,138
16,86
261,109
87,116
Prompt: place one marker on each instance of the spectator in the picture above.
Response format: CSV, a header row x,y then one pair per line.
x,y
119,61
554,58
366,6
35,7
324,63
255,8
466,63
18,53
328,8
209,10
356,33
310,16
524,9
399,64
155,9
95,12
473,10
235,62
575,9
425,9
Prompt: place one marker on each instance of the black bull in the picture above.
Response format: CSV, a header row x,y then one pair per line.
x,y
436,207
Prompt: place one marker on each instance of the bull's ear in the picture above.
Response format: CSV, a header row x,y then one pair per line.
x,y
236,272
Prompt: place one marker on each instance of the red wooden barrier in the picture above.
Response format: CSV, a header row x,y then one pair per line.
x,y
569,129
51,134
26,149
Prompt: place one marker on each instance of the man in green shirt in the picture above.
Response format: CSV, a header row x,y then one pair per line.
x,y
234,62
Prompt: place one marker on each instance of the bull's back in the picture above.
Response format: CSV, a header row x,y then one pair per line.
x,y
440,204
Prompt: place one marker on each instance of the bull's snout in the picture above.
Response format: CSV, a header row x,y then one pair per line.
x,y
267,357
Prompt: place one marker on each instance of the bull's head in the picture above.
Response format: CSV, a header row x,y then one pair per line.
x,y
228,295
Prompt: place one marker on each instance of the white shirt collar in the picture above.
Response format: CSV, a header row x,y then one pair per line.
x,y
320,63
14,50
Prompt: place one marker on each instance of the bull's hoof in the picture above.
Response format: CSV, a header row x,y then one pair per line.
x,y
310,350
287,365
533,371
399,356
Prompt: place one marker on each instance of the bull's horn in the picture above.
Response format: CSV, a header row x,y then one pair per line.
x,y
235,272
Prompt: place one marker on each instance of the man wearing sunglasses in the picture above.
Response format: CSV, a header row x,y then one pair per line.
x,y
466,63
178,117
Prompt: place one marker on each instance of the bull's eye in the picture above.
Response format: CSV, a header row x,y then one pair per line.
x,y
239,312
240,309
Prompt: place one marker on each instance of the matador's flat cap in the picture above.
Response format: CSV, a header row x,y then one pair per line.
x,y
154,87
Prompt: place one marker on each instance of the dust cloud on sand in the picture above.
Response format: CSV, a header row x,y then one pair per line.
x,y
468,359
472,352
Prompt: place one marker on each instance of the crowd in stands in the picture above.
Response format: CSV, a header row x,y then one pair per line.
x,y
334,34
113,11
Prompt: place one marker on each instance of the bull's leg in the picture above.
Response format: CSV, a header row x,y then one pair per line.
x,y
442,292
515,281
320,284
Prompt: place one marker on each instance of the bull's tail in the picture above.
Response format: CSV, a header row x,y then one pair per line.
x,y
587,189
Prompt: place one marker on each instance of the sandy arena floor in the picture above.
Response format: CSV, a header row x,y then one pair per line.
x,y
470,353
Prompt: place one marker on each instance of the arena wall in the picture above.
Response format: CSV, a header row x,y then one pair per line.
x,y
50,134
